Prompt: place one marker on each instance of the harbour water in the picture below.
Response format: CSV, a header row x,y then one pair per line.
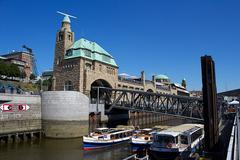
x,y
66,149
60,149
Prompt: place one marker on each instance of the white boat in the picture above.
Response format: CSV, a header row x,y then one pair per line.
x,y
142,137
106,137
179,141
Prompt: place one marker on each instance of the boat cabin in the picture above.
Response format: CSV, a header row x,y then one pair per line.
x,y
181,136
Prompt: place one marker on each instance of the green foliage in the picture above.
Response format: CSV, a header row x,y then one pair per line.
x,y
47,84
32,77
9,70
23,74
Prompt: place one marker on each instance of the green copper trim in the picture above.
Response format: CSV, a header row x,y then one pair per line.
x,y
162,76
90,50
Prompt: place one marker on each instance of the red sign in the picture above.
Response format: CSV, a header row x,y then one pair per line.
x,y
23,107
6,107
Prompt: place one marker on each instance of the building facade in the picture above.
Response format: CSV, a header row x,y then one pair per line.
x,y
83,64
23,59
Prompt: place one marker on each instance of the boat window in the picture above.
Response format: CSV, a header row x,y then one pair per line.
x,y
165,140
184,139
112,136
196,135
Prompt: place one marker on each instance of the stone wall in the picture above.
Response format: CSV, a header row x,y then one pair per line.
x,y
65,114
19,121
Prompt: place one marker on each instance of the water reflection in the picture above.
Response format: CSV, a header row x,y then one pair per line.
x,y
64,149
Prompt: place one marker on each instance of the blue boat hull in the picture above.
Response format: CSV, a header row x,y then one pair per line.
x,y
92,146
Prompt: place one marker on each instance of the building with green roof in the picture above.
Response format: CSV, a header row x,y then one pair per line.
x,y
82,64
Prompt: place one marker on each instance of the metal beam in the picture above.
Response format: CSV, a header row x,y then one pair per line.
x,y
174,105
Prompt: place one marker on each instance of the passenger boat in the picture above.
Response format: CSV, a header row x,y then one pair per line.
x,y
141,139
106,137
180,141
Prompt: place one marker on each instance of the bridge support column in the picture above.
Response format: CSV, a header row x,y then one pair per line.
x,y
209,103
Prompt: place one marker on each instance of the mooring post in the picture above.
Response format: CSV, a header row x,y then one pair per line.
x,y
97,98
209,103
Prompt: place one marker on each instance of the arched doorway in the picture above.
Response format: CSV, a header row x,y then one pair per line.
x,y
94,90
97,105
150,90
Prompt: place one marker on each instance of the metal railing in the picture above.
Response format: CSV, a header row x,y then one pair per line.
x,y
136,158
233,152
180,106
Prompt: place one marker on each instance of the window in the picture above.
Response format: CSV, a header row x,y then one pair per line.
x,y
69,52
58,61
106,58
165,140
68,86
60,36
87,53
70,37
196,135
184,139
88,66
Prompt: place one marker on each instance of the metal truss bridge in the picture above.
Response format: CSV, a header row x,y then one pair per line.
x,y
179,106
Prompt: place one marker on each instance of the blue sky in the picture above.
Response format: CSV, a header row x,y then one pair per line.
x,y
158,36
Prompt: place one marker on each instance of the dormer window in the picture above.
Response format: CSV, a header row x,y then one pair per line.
x,y
69,52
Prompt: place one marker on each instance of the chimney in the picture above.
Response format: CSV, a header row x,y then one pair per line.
x,y
154,80
143,77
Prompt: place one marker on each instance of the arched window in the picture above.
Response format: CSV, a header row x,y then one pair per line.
x,y
68,86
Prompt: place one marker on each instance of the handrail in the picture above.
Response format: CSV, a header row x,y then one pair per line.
x,y
231,144
136,158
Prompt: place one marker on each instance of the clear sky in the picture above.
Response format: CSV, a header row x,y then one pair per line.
x,y
158,36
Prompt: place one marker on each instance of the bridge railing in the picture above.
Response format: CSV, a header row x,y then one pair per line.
x,y
233,152
181,106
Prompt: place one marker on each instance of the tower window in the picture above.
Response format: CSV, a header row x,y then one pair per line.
x,y
69,37
60,37
68,86
88,66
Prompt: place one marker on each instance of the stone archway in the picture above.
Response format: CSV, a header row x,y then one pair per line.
x,y
97,106
150,90
98,83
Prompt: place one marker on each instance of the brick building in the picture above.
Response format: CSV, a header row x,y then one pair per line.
x,y
80,65
23,59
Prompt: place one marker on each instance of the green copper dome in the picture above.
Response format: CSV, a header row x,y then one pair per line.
x,y
66,19
161,76
90,50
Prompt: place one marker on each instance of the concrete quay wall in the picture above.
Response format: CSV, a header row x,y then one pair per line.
x,y
20,121
65,114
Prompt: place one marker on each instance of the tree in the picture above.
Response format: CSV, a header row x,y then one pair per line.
x,y
48,84
23,74
32,76
14,70
3,69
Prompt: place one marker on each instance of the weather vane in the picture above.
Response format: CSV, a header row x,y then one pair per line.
x,y
66,15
